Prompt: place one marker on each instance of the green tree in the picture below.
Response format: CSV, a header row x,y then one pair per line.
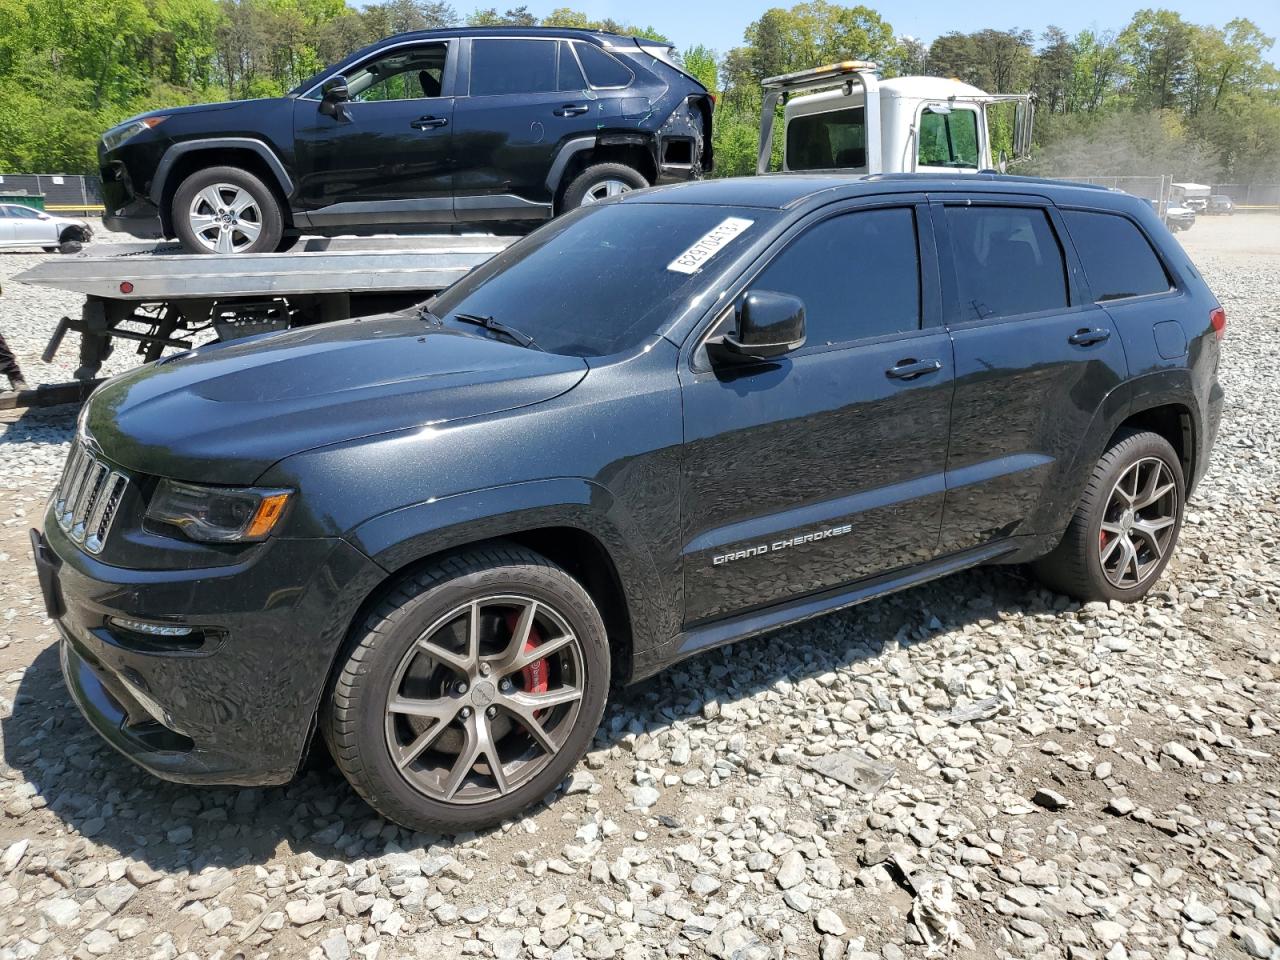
x,y
514,17
701,62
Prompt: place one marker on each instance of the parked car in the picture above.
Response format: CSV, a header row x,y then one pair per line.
x,y
1179,217
437,536
473,125
1221,204
22,226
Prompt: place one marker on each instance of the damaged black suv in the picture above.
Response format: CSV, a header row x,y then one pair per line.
x,y
427,129
654,426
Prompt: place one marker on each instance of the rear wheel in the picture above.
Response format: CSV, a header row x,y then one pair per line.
x,y
1126,526
600,182
470,692
226,210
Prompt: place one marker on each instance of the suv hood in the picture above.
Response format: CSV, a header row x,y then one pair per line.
x,y
226,412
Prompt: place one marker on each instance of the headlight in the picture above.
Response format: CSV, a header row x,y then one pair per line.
x,y
130,128
218,514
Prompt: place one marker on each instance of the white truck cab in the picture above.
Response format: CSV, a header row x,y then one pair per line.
x,y
863,124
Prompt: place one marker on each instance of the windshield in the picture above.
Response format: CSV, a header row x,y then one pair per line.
x,y
603,278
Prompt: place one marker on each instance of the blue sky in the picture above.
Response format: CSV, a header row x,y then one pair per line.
x,y
719,23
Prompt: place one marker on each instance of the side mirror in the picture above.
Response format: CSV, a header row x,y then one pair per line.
x,y
769,325
333,92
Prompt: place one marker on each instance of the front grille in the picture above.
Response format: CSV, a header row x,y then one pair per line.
x,y
88,498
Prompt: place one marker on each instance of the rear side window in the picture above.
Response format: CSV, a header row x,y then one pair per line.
x,y
858,275
826,141
570,73
1008,261
1117,258
512,66
602,69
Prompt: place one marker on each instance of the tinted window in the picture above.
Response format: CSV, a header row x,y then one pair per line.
x,y
570,73
824,141
403,74
602,69
949,139
1117,258
858,275
512,66
599,280
1008,261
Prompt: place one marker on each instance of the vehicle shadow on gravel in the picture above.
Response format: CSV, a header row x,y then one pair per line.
x,y
102,796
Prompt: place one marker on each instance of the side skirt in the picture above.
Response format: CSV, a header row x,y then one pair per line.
x,y
720,632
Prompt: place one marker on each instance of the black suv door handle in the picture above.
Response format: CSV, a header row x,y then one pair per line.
x,y
571,110
1087,336
910,369
428,123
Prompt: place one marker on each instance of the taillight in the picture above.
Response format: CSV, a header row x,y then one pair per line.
x,y
1218,320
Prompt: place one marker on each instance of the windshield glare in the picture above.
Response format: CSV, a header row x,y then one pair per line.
x,y
599,280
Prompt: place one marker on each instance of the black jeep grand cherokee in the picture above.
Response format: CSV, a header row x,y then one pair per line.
x,y
430,128
654,426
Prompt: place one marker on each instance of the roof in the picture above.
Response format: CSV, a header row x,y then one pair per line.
x,y
929,88
512,32
780,191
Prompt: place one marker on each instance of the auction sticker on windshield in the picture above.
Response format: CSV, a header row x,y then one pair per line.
x,y
709,245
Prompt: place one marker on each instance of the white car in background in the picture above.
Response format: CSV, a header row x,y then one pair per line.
x,y
26,227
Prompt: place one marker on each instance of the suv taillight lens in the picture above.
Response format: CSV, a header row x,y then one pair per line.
x,y
1218,320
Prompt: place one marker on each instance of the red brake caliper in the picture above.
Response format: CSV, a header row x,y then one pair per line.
x,y
537,674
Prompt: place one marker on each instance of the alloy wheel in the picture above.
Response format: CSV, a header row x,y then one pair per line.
x,y
605,189
484,699
225,218
1139,522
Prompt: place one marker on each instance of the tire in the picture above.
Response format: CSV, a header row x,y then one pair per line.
x,y
205,200
601,180
49,249
1086,564
70,246
413,647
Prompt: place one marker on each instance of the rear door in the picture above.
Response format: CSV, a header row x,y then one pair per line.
x,y
1035,360
825,466
30,228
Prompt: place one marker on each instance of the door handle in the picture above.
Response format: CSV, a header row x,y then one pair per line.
x,y
1087,336
571,110
429,123
910,369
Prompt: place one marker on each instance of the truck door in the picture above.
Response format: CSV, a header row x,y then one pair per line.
x,y
385,156
1035,360
825,466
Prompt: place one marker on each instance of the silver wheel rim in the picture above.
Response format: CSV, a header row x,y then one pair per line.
x,y
484,699
604,190
1138,525
225,218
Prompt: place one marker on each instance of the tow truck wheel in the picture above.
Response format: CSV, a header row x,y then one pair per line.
x,y
226,210
470,691
600,182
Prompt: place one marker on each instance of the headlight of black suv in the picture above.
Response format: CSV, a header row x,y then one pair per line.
x,y
130,128
218,514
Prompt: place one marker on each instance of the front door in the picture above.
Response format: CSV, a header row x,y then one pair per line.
x,y
6,226
386,155
826,466
32,228
527,97
1034,362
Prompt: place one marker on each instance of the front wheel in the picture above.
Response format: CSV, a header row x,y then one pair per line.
x,y
226,210
470,691
1126,525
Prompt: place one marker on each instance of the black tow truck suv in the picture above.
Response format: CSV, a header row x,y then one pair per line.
x,y
428,129
654,426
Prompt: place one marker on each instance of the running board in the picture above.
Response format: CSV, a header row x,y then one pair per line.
x,y
720,632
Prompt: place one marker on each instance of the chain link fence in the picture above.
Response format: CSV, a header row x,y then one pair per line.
x,y
63,193
1251,196
1257,197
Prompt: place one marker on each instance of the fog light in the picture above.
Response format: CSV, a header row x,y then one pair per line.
x,y
151,629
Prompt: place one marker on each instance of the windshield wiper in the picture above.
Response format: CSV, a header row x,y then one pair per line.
x,y
498,327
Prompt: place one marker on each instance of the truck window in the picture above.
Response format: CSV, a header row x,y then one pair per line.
x,y
1008,261
948,139
1117,258
403,74
512,66
825,141
858,275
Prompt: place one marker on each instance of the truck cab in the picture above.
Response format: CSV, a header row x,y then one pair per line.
x,y
859,123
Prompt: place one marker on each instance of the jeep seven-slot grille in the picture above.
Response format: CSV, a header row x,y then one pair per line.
x,y
88,497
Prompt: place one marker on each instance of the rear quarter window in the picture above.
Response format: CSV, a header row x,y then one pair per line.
x,y
602,69
1117,257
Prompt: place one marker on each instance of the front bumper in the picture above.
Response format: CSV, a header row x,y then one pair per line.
x,y
138,218
236,708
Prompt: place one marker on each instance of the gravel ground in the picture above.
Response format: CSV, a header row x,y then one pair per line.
x,y
1025,777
